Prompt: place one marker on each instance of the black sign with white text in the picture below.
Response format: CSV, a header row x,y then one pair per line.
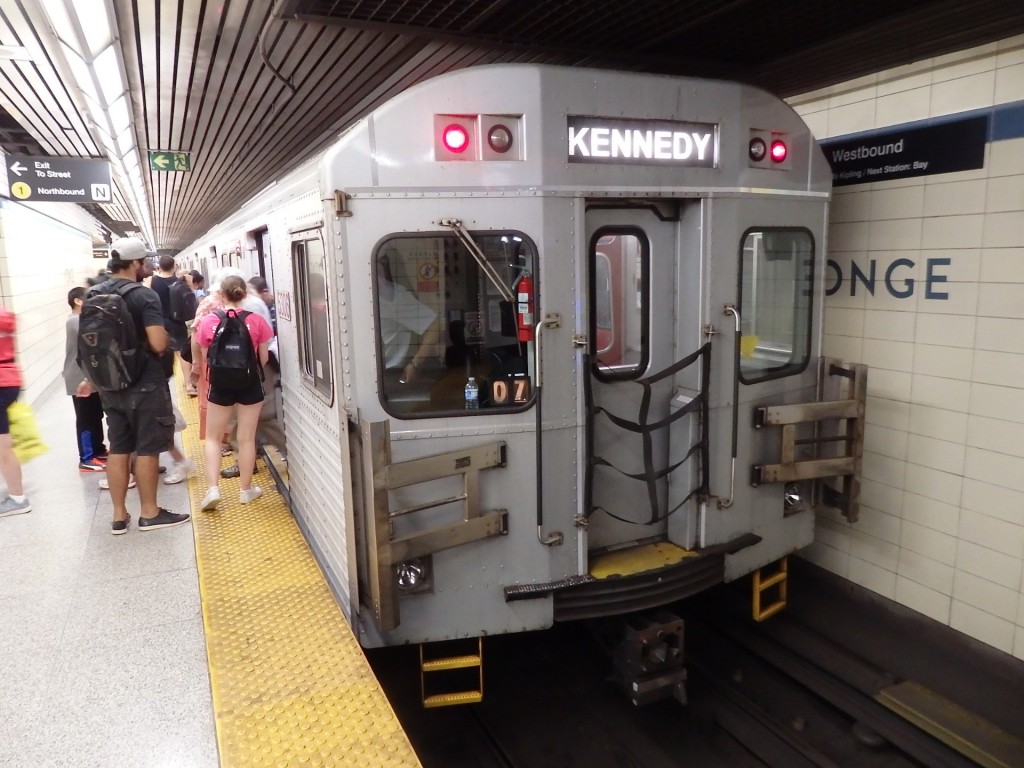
x,y
59,179
898,154
641,142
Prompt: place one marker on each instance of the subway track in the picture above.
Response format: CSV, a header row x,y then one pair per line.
x,y
799,691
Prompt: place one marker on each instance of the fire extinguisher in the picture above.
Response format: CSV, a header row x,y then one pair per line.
x,y
524,307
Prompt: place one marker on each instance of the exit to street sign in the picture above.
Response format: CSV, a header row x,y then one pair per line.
x,y
167,160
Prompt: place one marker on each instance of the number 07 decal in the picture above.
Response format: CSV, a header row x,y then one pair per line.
x,y
514,390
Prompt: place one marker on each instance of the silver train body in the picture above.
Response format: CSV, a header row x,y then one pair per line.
x,y
631,269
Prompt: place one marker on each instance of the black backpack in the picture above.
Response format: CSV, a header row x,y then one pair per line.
x,y
231,359
182,301
112,351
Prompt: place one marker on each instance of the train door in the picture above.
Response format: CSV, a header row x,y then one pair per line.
x,y
638,259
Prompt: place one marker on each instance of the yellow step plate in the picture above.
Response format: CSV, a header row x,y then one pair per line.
x,y
291,686
450,699
646,557
451,662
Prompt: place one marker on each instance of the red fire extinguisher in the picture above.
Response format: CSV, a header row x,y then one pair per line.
x,y
524,308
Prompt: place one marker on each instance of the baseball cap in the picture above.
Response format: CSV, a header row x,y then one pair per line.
x,y
128,249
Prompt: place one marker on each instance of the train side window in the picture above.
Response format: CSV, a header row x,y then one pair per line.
x,y
309,263
776,278
619,258
441,318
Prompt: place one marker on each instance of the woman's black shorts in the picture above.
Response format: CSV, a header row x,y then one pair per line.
x,y
249,396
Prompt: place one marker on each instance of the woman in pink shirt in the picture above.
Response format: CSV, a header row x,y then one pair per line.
x,y
249,399
16,502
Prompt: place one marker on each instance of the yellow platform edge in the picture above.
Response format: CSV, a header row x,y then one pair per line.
x,y
290,684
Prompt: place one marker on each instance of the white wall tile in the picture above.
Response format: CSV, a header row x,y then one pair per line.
x,y
858,90
1004,193
903,107
942,516
843,347
961,64
878,524
992,533
1006,158
993,567
925,571
927,542
891,385
1009,84
939,392
997,435
1001,503
955,200
827,557
850,236
933,484
964,93
890,326
870,576
999,369
833,534
936,454
938,423
920,598
844,321
997,402
995,468
894,414
1001,300
1010,51
954,232
896,235
917,74
886,442
982,626
1000,334
882,497
888,355
883,469
1002,265
850,204
872,549
897,203
1003,230
959,298
943,362
985,595
852,118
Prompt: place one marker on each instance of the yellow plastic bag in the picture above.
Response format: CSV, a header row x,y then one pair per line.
x,y
28,443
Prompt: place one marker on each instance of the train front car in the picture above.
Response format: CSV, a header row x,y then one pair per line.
x,y
585,374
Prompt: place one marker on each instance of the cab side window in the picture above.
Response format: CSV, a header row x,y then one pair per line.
x,y
776,277
309,265
618,299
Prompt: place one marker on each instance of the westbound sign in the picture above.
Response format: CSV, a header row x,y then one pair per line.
x,y
166,160
58,179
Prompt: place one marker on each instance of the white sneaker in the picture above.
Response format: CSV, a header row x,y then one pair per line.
x,y
251,495
178,472
211,499
104,484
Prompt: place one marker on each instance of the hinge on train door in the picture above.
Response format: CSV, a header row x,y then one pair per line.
x,y
341,199
837,443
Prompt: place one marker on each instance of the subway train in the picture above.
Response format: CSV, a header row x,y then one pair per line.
x,y
550,342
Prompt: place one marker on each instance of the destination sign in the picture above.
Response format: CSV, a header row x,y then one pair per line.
x,y
641,142
167,160
956,145
59,179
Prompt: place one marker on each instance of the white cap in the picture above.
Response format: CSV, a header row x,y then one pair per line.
x,y
127,249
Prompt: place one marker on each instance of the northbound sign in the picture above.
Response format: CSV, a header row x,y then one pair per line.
x,y
59,179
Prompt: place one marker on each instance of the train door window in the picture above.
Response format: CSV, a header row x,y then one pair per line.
x,y
442,318
776,276
309,263
619,259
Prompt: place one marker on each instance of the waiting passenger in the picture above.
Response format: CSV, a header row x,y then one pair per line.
x,y
221,399
410,330
92,453
140,419
17,502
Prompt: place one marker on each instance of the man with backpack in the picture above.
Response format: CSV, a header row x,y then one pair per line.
x,y
121,335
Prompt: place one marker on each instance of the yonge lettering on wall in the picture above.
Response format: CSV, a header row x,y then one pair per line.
x,y
957,145
896,277
641,142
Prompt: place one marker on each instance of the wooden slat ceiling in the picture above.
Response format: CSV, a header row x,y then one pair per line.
x,y
253,88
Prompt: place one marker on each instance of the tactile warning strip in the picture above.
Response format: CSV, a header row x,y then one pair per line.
x,y
291,686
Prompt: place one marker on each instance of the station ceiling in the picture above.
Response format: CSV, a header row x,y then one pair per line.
x,y
251,88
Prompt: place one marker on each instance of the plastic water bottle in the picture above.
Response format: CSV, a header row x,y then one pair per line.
x,y
472,395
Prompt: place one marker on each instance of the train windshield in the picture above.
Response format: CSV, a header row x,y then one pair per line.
x,y
776,283
445,314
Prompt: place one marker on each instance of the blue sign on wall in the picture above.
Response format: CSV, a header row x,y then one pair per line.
x,y
957,145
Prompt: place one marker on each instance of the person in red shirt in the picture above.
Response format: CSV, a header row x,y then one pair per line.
x,y
249,401
17,502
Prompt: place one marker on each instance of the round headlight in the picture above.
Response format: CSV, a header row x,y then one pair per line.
x,y
791,495
411,574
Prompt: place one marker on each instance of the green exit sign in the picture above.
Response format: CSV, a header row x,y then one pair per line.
x,y
166,160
